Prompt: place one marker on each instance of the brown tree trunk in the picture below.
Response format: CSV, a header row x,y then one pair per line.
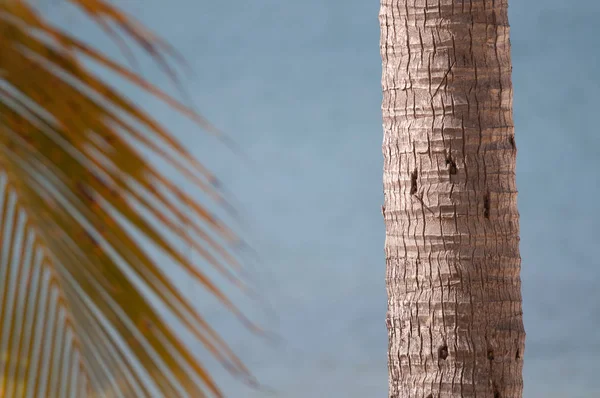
x,y
452,227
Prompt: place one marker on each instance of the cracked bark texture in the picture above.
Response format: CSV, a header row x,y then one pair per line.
x,y
454,317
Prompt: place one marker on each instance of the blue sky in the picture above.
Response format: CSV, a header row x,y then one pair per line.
x,y
297,86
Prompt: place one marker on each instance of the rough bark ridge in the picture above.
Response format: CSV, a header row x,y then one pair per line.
x,y
452,229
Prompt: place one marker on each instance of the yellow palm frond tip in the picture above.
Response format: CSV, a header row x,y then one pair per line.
x,y
73,185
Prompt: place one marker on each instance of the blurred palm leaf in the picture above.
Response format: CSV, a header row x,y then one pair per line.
x,y
74,320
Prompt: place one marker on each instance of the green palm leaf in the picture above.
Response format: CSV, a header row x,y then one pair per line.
x,y
74,190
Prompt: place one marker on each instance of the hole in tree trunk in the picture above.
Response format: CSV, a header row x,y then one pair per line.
x,y
452,169
413,182
429,396
511,140
486,205
490,355
443,352
518,354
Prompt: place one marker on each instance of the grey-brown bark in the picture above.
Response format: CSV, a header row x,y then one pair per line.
x,y
452,229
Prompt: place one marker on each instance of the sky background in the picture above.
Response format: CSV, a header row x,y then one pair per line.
x,y
296,84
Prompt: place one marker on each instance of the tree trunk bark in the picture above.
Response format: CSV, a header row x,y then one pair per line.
x,y
454,317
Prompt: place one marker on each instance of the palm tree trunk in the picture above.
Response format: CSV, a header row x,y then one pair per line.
x,y
452,227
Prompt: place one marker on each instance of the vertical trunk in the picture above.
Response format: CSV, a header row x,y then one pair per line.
x,y
452,230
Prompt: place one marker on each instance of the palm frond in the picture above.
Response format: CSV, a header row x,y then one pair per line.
x,y
74,185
